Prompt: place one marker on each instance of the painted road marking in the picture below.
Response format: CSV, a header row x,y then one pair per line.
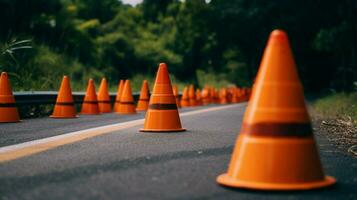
x,y
16,151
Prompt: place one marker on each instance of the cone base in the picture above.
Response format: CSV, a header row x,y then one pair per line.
x,y
162,130
142,106
226,180
9,115
126,112
184,104
10,121
63,117
105,112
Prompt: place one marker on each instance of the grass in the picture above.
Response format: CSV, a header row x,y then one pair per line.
x,y
339,105
336,115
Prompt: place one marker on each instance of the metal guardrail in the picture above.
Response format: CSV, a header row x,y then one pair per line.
x,y
40,103
49,97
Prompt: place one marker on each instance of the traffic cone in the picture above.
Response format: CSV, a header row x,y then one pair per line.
x,y
162,115
213,95
233,92
64,107
223,96
217,96
127,105
192,95
244,95
206,96
198,98
143,103
90,102
185,99
249,93
177,96
8,109
241,95
119,93
228,95
276,149
104,98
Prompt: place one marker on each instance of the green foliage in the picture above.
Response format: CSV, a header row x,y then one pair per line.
x,y
338,105
211,79
90,24
8,50
217,43
103,10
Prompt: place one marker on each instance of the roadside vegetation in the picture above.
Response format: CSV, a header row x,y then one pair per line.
x,y
215,42
336,115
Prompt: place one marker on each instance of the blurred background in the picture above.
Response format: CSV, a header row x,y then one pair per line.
x,y
218,42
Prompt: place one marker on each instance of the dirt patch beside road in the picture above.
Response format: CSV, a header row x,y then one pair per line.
x,y
340,131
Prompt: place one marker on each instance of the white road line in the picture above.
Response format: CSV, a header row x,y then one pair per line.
x,y
15,151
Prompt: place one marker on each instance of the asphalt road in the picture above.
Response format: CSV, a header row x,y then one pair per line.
x,y
128,164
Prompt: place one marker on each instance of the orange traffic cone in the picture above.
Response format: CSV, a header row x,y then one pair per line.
x,y
276,149
213,95
127,105
64,107
90,103
223,96
217,97
192,95
185,99
234,96
206,96
143,103
244,95
240,95
119,93
249,93
104,98
162,115
8,109
177,96
228,95
198,98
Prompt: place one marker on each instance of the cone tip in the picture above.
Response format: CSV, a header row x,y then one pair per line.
x,y
162,75
278,35
3,74
162,65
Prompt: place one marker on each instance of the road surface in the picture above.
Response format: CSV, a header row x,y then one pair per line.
x,y
128,164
